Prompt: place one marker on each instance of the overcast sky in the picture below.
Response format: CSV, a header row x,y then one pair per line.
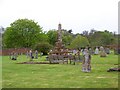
x,y
78,15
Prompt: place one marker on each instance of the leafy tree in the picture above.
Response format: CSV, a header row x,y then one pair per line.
x,y
79,41
85,33
22,33
67,37
70,31
43,47
52,36
92,31
102,38
43,37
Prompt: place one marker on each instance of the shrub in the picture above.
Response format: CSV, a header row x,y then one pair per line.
x,y
43,47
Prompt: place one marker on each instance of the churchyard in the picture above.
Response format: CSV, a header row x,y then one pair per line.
x,y
24,67
59,75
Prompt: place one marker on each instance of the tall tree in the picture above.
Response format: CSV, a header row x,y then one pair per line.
x,y
102,38
22,33
79,41
67,37
52,36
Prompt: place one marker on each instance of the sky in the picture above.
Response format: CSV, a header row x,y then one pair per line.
x,y
78,15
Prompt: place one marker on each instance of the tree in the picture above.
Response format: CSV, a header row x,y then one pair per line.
x,y
43,47
22,33
79,42
92,31
70,31
43,37
67,37
52,36
85,33
102,38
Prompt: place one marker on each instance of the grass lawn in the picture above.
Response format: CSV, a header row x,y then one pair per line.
x,y
59,75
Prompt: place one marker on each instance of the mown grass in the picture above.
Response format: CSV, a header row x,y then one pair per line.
x,y
59,75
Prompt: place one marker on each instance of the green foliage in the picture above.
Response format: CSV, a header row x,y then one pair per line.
x,y
43,47
79,41
102,38
52,36
27,33
43,37
22,33
67,37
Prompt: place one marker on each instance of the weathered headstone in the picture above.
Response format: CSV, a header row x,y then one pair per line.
x,y
96,51
102,52
86,66
107,50
36,54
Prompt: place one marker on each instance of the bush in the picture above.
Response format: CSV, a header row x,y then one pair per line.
x,y
43,47
79,42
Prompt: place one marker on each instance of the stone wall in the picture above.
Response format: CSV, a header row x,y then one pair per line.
x,y
17,50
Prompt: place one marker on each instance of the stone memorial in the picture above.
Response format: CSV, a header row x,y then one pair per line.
x,y
59,52
96,51
102,52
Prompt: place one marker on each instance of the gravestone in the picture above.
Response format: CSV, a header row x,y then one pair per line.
x,y
96,51
36,54
102,52
86,66
107,50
